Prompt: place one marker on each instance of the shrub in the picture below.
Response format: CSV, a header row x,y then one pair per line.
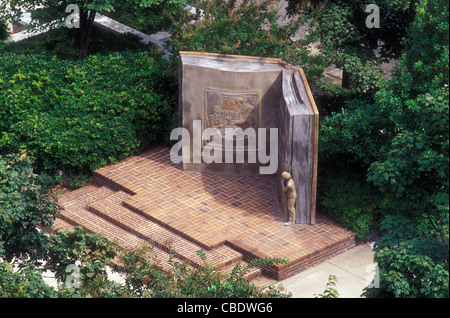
x,y
145,277
406,273
352,202
359,133
27,283
81,115
400,143
24,205
143,273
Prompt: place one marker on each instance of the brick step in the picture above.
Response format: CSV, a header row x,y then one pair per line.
x,y
140,205
111,209
60,224
123,240
95,224
99,209
105,181
87,193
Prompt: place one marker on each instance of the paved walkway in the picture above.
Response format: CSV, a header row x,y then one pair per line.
x,y
354,270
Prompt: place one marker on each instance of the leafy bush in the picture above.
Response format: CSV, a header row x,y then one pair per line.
x,y
358,133
143,273
81,115
146,278
90,252
398,228
27,283
406,273
351,202
24,205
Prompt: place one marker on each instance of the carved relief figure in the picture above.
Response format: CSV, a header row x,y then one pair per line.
x,y
289,188
231,110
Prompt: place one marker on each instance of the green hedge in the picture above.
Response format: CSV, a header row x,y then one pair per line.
x,y
81,115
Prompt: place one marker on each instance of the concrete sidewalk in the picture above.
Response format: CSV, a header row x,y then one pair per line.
x,y
354,270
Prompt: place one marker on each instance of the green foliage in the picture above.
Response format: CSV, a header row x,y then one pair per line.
x,y
250,28
422,239
352,202
28,283
144,274
148,18
400,141
342,41
359,133
406,273
90,252
81,115
50,13
416,163
24,205
239,27
425,60
230,28
330,290
348,43
145,277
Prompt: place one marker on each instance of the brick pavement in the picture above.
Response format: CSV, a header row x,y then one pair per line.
x,y
147,197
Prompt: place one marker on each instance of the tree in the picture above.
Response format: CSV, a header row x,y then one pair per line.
x,y
67,13
400,141
347,41
246,27
415,166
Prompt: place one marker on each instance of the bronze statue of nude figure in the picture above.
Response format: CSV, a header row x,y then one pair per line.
x,y
288,186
